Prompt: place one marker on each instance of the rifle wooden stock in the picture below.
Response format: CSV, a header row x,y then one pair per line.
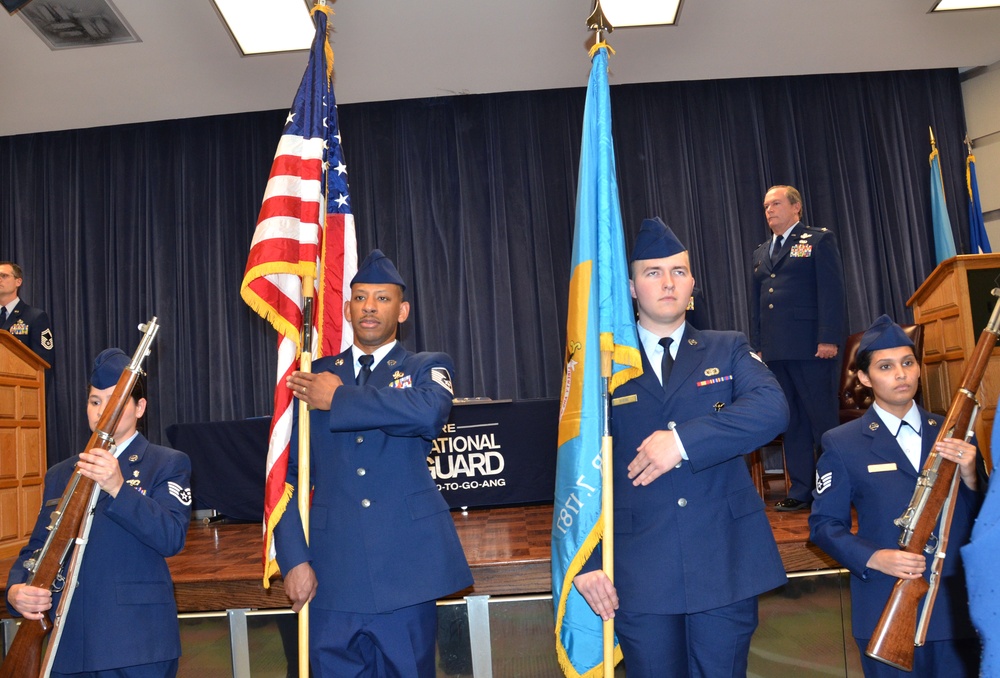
x,y
893,640
25,655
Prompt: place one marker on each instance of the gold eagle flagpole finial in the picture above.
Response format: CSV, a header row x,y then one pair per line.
x,y
598,22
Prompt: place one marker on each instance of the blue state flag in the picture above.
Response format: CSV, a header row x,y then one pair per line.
x,y
600,318
944,240
979,242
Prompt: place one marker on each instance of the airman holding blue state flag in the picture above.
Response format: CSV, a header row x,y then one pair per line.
x,y
602,353
693,546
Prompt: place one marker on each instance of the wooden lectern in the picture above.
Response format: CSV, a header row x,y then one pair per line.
x,y
22,442
954,306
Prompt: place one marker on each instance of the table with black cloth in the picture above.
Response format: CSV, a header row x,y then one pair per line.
x,y
228,461
491,453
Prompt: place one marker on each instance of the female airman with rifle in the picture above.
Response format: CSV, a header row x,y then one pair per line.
x,y
873,464
122,620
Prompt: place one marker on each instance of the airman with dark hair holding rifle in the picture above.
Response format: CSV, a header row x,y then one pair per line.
x,y
122,620
873,464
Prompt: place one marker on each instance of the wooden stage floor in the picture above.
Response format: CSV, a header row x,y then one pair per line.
x,y
507,548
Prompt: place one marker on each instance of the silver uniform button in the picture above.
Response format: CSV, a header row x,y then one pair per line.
x,y
770,305
359,440
770,290
361,471
772,275
366,503
682,502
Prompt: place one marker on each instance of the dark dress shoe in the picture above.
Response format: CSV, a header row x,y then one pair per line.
x,y
791,505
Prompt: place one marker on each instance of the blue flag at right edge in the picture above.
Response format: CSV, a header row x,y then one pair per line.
x,y
600,316
944,240
979,242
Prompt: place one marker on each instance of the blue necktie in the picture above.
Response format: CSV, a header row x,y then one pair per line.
x,y
667,361
3,315
776,248
366,369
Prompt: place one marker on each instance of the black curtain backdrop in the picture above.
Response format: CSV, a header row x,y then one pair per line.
x,y
474,199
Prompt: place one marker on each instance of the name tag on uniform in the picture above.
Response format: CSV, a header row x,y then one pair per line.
x,y
624,400
880,468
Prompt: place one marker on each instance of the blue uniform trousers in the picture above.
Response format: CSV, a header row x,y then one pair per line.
x,y
688,645
397,644
165,669
810,387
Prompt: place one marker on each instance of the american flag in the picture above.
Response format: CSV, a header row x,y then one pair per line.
x,y
296,238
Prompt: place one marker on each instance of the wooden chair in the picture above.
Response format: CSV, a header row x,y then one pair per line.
x,y
755,461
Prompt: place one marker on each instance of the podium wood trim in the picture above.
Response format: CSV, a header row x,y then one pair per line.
x,y
943,305
22,441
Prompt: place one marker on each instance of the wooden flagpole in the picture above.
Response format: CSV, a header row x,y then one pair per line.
x,y
303,483
607,508
305,365
599,23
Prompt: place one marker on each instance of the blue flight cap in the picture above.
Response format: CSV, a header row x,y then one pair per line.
x,y
108,367
377,268
655,241
883,334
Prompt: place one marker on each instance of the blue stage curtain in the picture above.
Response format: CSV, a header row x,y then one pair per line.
x,y
473,197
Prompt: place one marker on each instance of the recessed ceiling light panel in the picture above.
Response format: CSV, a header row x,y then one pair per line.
x,y
623,13
264,26
949,5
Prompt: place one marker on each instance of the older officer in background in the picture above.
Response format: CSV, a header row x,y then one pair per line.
x,y
693,547
797,325
383,546
30,325
873,464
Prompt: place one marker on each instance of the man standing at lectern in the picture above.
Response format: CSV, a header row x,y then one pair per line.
x,y
30,325
383,546
797,322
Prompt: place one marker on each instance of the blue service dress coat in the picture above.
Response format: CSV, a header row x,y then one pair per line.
x,y
980,556
381,535
862,465
32,328
696,538
123,612
798,301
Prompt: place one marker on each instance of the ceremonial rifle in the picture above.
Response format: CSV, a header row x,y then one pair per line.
x,y
896,634
68,520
